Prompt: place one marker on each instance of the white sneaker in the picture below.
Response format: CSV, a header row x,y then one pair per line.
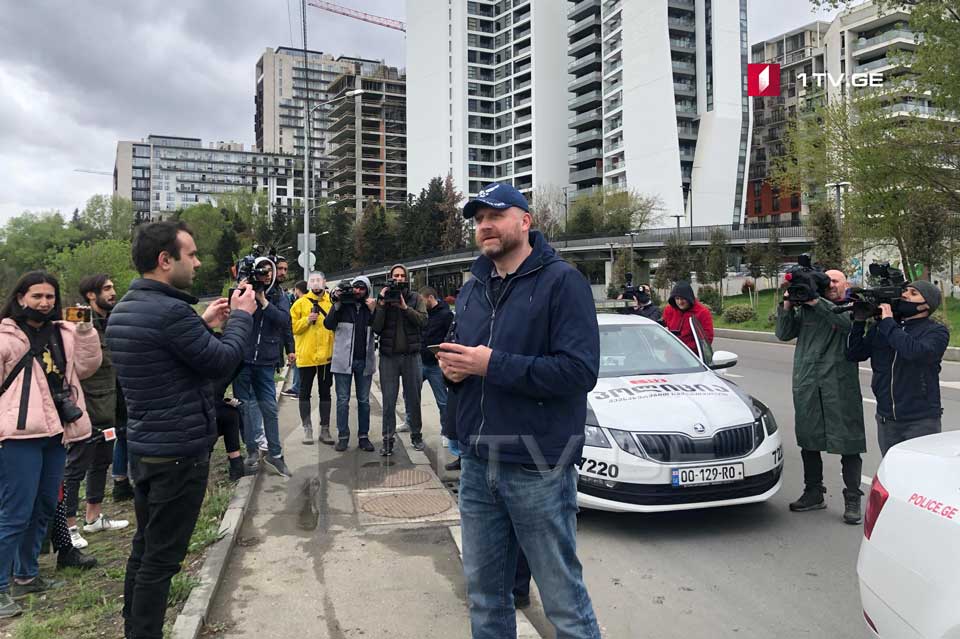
x,y
104,523
403,428
75,538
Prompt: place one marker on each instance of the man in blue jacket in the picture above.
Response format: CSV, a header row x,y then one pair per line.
x,y
166,356
255,385
526,352
905,349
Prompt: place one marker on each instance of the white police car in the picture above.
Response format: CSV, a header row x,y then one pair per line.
x,y
910,554
665,432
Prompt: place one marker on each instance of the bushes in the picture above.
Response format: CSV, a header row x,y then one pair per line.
x,y
739,313
709,297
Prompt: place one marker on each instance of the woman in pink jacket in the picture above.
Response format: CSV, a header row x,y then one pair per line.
x,y
41,410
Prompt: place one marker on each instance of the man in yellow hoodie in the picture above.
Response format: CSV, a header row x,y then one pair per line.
x,y
314,347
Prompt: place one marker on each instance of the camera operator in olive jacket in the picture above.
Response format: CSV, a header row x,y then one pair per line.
x,y
399,324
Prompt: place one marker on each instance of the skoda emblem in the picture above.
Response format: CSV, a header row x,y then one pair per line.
x,y
699,428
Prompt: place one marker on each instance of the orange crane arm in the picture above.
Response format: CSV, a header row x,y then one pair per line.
x,y
358,15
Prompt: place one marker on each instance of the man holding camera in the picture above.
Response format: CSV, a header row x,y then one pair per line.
x,y
439,319
108,413
254,385
314,351
642,303
526,353
166,357
905,349
399,317
826,387
353,356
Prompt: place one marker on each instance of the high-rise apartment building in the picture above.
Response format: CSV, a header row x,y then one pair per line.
x,y
367,137
487,93
284,88
798,52
658,102
164,174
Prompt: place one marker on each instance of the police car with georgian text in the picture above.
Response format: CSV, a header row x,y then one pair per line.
x,y
665,432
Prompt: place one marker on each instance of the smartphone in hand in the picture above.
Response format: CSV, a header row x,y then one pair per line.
x,y
78,314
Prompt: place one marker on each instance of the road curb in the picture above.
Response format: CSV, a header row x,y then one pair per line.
x,y
952,354
194,613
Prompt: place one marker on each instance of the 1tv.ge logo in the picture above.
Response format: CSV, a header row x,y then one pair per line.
x,y
763,80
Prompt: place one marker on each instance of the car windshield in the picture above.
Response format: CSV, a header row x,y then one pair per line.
x,y
632,349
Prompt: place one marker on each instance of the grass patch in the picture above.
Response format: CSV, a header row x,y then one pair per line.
x,y
949,314
88,605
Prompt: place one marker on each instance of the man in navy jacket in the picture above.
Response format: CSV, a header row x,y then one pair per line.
x,y
166,357
905,349
526,352
255,386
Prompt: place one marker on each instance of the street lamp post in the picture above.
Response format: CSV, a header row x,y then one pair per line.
x,y
566,207
838,186
631,234
680,217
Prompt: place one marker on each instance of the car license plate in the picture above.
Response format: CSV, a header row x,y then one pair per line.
x,y
699,475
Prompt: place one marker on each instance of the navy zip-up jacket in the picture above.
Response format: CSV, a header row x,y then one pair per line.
x,y
905,358
546,357
271,331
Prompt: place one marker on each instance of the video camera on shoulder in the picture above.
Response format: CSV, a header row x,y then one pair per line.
x,y
258,269
628,287
806,282
865,302
395,290
344,293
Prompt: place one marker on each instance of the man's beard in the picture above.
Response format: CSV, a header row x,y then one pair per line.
x,y
508,244
317,292
104,305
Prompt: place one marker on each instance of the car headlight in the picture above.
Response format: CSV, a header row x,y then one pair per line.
x,y
626,442
595,437
769,422
757,432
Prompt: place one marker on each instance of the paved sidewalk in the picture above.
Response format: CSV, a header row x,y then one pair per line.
x,y
353,545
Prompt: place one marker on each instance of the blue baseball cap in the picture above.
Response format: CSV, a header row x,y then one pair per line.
x,y
496,196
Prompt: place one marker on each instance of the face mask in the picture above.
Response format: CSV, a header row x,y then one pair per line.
x,y
903,308
36,316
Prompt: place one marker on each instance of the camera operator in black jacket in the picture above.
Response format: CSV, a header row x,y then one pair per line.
x,y
905,349
642,304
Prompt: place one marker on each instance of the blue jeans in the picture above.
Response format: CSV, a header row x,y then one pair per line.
x,y
255,387
30,474
505,507
120,455
433,374
342,383
295,383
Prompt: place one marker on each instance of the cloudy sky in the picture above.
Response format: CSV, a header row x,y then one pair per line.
x,y
76,77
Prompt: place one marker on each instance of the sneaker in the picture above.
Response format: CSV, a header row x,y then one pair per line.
x,y
39,584
452,466
521,601
75,538
418,444
122,490
851,511
252,463
105,523
8,607
403,428
290,393
237,468
308,435
365,445
277,465
341,444
386,450
811,499
70,557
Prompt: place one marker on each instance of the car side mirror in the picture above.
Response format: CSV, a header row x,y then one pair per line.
x,y
723,359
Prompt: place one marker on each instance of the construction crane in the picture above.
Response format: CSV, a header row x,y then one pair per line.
x,y
95,172
358,15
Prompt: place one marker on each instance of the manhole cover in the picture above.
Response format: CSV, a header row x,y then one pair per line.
x,y
375,478
407,505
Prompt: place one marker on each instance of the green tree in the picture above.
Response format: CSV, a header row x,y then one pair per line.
x,y
828,250
773,257
452,227
28,241
106,216
547,205
207,224
373,241
111,256
717,260
621,266
676,263
585,216
613,211
753,257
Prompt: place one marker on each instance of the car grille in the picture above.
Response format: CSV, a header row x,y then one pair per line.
x,y
667,495
678,448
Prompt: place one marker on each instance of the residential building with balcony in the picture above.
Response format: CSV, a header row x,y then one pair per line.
x,y
798,52
487,93
658,103
367,137
164,174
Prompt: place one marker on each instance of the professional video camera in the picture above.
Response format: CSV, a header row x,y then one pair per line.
x,y
630,291
805,282
865,302
344,293
256,267
395,290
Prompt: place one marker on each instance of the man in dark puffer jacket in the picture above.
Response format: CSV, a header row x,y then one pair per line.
x,y
165,356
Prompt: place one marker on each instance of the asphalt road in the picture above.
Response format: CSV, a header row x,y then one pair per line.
x,y
748,572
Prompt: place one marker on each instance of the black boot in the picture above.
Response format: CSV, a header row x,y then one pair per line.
x,y
71,557
236,468
851,510
811,499
342,444
122,490
454,465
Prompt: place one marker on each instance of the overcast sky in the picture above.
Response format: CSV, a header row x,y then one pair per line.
x,y
76,77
